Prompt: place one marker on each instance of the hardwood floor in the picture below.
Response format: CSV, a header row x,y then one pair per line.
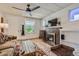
x,y
44,46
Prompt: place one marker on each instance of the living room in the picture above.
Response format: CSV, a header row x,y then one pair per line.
x,y
45,30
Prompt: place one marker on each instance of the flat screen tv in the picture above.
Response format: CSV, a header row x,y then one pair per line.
x,y
53,22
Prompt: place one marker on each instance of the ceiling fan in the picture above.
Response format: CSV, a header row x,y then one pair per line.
x,y
28,9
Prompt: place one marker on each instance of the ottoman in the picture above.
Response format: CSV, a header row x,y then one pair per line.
x,y
62,50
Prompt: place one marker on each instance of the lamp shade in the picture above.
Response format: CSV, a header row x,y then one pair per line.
x,y
3,25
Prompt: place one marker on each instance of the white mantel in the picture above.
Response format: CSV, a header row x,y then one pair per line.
x,y
53,27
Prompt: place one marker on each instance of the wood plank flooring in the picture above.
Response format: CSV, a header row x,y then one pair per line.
x,y
44,46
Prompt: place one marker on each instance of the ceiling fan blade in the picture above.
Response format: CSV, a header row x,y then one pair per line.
x,y
35,8
18,8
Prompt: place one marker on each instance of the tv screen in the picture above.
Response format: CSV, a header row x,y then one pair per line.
x,y
53,22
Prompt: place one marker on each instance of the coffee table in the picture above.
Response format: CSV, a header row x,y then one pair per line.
x,y
30,48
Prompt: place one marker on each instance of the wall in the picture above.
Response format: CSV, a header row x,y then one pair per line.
x,y
15,23
69,28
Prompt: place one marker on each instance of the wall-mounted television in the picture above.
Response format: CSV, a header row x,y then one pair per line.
x,y
74,14
53,22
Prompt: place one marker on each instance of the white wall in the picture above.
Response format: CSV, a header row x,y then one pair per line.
x,y
62,16
15,25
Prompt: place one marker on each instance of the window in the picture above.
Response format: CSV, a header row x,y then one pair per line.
x,y
74,14
29,26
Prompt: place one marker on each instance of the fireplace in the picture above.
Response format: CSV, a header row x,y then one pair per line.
x,y
55,34
51,36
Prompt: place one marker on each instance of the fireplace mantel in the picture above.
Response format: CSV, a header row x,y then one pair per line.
x,y
51,27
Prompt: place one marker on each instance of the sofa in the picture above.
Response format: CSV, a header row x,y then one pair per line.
x,y
7,52
4,38
7,43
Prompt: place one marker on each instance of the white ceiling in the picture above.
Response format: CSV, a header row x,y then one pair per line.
x,y
44,10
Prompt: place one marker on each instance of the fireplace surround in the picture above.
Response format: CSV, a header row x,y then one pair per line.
x,y
51,36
